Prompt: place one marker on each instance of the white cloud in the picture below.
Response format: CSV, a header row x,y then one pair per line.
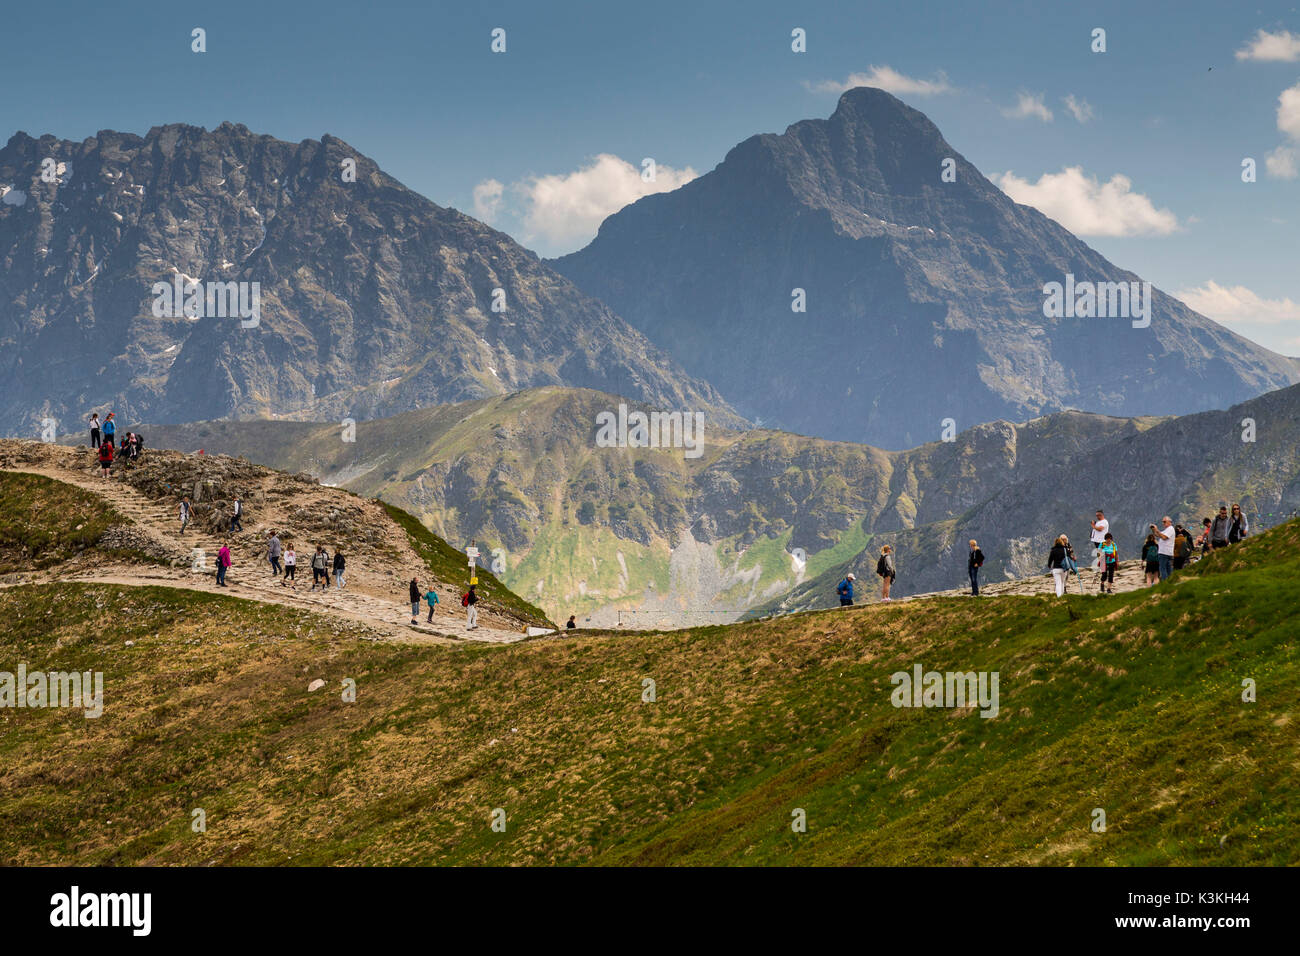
x,y
563,210
488,196
1027,106
1080,109
887,79
1288,112
1089,207
1237,304
1283,46
1283,162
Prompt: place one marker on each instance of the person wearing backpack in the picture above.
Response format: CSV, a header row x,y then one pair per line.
x,y
1182,546
1238,526
1110,561
470,602
845,590
431,598
105,460
974,562
223,562
1151,557
885,568
318,568
339,564
1056,564
415,601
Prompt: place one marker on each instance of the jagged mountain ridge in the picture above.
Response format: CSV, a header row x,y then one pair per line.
x,y
373,299
924,297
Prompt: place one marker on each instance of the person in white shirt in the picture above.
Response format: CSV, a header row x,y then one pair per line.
x,y
1099,529
1165,544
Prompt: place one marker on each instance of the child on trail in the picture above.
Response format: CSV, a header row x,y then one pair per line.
x,y
431,596
415,601
885,568
1110,561
223,562
94,430
1151,557
339,564
845,590
185,513
290,568
105,459
470,601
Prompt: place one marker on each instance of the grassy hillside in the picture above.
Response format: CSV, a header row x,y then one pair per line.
x,y
1133,705
44,522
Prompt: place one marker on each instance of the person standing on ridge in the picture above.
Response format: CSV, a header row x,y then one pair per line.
x,y
1056,564
1238,526
885,568
845,590
1099,528
110,428
1151,557
572,625
1219,529
415,601
184,513
973,564
1109,562
94,429
1182,546
235,523
1165,547
471,608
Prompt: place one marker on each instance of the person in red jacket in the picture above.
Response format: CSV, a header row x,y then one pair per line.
x,y
105,458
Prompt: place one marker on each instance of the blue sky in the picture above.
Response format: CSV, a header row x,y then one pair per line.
x,y
553,131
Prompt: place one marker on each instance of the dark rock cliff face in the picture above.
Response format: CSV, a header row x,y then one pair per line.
x,y
373,300
924,298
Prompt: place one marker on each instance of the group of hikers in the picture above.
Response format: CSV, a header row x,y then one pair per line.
x,y
321,564
1167,548
885,570
107,447
468,600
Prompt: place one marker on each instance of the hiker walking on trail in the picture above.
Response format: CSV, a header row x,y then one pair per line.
x,y
223,562
273,554
415,601
290,568
1238,526
184,513
339,564
1100,527
94,430
572,624
235,523
1151,557
318,567
1056,564
1165,548
110,429
470,600
431,598
885,568
974,562
1182,546
1109,562
1219,529
845,590
105,460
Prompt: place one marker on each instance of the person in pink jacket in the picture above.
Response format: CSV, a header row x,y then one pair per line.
x,y
223,562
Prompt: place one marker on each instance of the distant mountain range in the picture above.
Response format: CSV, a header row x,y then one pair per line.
x,y
924,298
372,299
765,521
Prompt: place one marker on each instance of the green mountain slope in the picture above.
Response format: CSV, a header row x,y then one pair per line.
x,y
1133,706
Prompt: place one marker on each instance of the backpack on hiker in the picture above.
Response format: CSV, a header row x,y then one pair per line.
x,y
464,600
882,569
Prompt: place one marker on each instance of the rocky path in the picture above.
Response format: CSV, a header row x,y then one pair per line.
x,y
388,616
